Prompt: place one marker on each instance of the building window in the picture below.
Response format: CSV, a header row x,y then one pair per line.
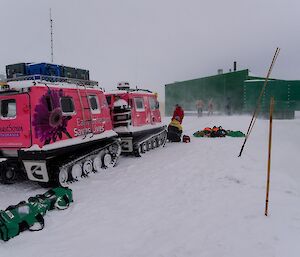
x,y
67,105
8,109
94,104
139,104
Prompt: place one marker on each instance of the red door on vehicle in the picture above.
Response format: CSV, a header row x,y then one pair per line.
x,y
15,121
139,115
154,109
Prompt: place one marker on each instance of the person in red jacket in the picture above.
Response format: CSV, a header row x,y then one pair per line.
x,y
178,113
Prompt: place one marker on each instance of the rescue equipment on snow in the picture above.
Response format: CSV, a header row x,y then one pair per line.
x,y
29,215
217,132
186,139
237,133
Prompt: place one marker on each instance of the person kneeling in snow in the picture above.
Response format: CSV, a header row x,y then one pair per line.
x,y
174,130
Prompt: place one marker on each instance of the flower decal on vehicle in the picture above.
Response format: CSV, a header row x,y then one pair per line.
x,y
48,120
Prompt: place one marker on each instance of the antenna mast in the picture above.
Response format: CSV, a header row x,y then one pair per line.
x,y
51,34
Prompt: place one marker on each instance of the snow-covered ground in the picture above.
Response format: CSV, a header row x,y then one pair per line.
x,y
196,199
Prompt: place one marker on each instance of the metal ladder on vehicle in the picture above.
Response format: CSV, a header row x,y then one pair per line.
x,y
83,109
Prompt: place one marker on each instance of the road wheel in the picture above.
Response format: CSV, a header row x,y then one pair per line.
x,y
8,174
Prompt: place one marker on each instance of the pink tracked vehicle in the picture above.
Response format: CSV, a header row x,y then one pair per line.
x,y
136,118
55,130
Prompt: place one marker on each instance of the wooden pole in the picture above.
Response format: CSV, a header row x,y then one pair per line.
x,y
269,155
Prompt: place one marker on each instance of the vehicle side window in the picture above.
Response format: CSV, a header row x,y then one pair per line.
x,y
49,103
8,109
67,105
94,104
139,104
153,103
108,99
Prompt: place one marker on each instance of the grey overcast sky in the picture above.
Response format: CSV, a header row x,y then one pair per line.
x,y
150,43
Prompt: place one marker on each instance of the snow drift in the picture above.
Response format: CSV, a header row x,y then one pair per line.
x,y
196,199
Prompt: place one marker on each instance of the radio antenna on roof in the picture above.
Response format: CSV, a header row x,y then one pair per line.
x,y
51,35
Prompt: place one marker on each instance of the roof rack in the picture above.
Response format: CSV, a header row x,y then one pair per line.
x,y
140,89
43,78
125,86
135,90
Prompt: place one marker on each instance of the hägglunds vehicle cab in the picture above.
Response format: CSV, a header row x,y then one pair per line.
x,y
136,118
54,129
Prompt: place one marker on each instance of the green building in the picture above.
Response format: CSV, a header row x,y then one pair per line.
x,y
237,91
285,92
